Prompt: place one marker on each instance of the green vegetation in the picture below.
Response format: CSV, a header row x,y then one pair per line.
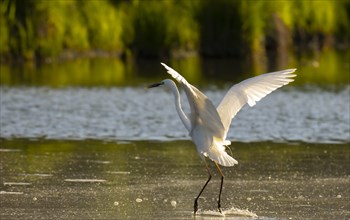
x,y
41,29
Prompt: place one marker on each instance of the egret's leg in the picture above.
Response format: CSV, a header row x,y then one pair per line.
x,y
228,147
222,182
200,193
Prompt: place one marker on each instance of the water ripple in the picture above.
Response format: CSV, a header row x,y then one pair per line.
x,y
292,114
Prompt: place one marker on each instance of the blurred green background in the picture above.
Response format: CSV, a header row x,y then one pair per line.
x,y
257,36
35,29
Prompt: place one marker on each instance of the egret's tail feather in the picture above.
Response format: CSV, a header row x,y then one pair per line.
x,y
219,155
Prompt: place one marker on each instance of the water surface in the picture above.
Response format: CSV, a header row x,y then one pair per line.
x,y
307,114
86,140
159,180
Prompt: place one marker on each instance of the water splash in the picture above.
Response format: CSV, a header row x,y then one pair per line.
x,y
227,214
240,212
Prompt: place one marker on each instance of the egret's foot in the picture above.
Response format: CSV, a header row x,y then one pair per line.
x,y
219,207
195,207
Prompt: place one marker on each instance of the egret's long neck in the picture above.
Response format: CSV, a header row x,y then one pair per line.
x,y
182,115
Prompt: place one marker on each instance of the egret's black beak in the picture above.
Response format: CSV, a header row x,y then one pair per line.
x,y
154,85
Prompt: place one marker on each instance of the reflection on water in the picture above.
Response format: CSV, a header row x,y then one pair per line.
x,y
327,67
159,180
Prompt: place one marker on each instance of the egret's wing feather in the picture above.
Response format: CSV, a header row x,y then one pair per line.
x,y
179,78
251,91
206,113
202,109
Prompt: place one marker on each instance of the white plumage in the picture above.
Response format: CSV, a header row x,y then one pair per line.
x,y
209,125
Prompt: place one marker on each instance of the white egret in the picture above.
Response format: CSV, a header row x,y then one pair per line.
x,y
208,126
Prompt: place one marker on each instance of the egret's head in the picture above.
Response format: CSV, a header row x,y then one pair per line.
x,y
166,82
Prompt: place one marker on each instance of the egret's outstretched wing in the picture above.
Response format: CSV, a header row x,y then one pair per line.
x,y
202,109
250,91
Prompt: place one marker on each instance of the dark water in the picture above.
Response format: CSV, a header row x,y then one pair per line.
x,y
42,179
328,67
